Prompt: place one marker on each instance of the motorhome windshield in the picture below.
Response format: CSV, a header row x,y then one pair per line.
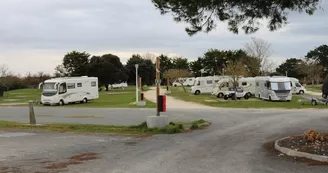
x,y
49,89
280,86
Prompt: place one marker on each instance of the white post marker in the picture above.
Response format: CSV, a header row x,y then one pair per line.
x,y
136,65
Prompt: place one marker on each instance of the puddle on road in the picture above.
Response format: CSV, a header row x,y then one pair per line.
x,y
9,135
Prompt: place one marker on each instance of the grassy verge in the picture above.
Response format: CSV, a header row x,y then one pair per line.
x,y
314,88
140,129
116,98
177,92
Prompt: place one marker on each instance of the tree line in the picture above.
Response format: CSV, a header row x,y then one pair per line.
x,y
252,60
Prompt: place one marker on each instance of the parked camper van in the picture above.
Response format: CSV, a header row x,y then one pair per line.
x,y
247,84
205,85
273,88
186,82
69,89
297,88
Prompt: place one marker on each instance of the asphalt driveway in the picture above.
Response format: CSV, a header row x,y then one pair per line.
x,y
232,144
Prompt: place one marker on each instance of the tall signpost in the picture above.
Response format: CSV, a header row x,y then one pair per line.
x,y
157,84
157,120
137,65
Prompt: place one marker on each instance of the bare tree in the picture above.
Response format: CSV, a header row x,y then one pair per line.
x,y
149,56
177,75
236,70
312,70
60,71
261,50
4,70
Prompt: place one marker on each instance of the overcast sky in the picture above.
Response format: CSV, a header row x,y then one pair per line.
x,y
36,34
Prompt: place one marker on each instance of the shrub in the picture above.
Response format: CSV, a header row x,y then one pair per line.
x,y
170,129
312,136
194,126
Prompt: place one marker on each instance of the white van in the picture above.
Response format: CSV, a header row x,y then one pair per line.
x,y
273,88
246,83
67,90
186,82
205,85
297,88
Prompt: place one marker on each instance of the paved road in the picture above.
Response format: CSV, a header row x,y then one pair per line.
x,y
232,144
173,103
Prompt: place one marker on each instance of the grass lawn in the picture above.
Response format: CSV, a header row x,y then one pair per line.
x,y
314,88
140,129
209,100
117,98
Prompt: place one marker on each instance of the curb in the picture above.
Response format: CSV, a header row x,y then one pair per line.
x,y
294,153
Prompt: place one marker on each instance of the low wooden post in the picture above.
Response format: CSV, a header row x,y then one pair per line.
x,y
31,111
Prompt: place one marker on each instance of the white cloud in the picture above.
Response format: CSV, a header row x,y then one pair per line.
x,y
36,34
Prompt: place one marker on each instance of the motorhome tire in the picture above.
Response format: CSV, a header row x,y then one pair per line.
x,y
238,98
314,102
85,100
270,98
246,97
249,94
225,97
197,92
301,92
220,95
175,85
61,103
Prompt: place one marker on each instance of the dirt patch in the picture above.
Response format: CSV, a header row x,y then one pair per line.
x,y
298,143
271,151
74,160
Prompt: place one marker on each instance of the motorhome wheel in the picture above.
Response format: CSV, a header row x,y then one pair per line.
x,y
238,98
314,102
246,97
85,100
270,98
301,92
220,95
226,97
61,103
197,92
249,94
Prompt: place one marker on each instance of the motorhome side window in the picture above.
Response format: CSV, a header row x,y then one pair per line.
x,y
70,85
298,85
268,84
62,88
79,84
209,82
257,83
244,83
93,84
198,83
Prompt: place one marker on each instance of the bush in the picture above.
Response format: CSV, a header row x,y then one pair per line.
x,y
312,136
194,126
171,129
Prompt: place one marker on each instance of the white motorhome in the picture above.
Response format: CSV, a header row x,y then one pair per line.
x,y
273,88
60,91
186,82
246,83
297,88
120,85
205,85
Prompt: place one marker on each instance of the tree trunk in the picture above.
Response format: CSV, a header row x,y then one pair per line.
x,y
167,84
312,81
106,86
184,89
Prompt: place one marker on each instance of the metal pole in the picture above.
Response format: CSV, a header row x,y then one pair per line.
x,y
136,83
32,115
286,73
157,85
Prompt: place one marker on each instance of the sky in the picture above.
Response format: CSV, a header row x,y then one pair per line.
x,y
36,34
